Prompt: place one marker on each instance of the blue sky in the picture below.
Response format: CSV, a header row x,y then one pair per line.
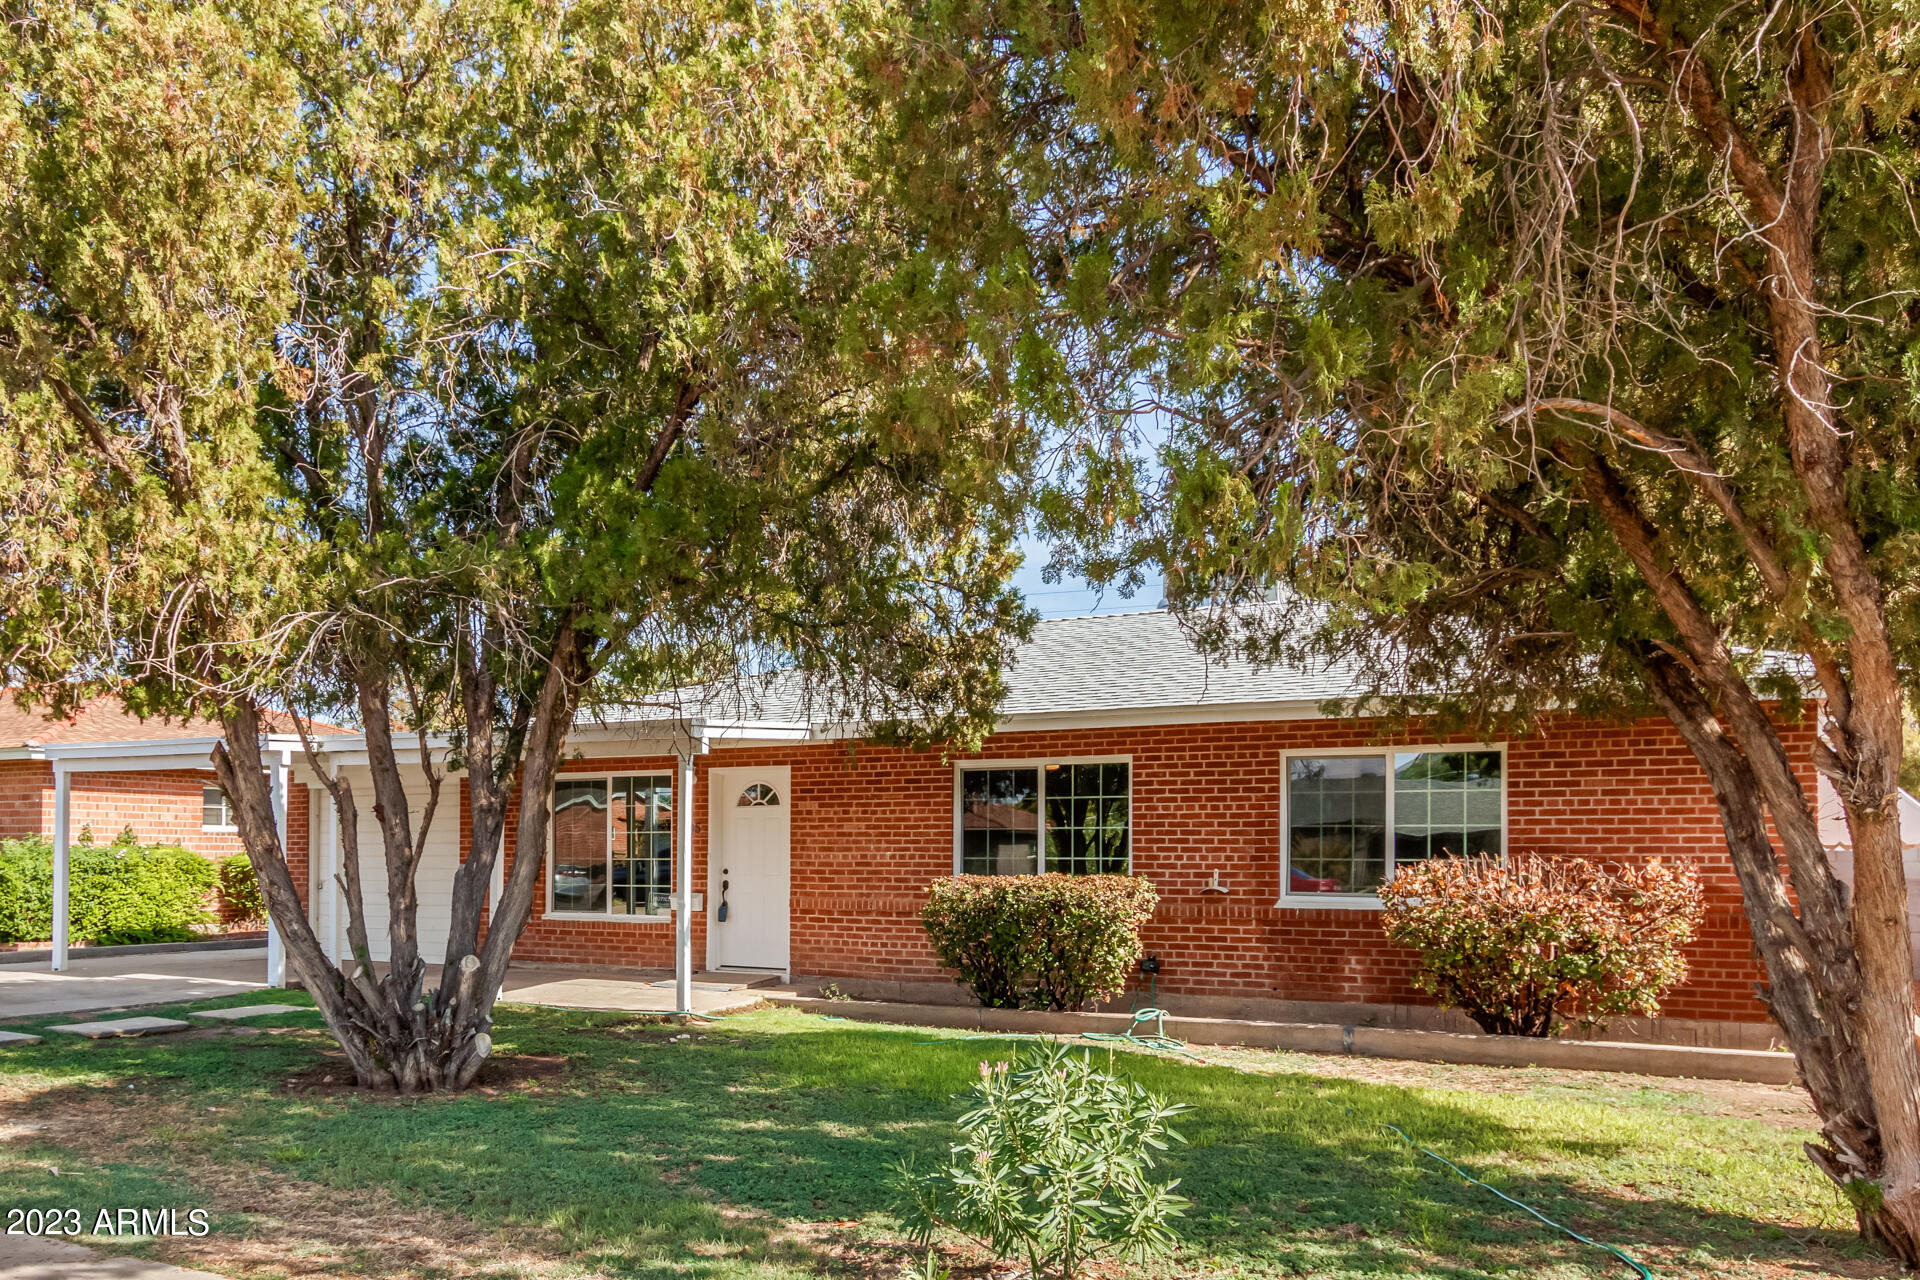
x,y
1073,598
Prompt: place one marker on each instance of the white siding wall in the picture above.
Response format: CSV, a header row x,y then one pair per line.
x,y
434,883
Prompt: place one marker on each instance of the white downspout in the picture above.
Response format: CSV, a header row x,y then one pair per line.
x,y
276,949
62,860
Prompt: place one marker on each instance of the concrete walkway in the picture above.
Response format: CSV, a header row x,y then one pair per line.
x,y
103,983
123,982
47,1258
627,990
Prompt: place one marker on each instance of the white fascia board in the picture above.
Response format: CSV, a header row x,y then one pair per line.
x,y
740,731
131,757
675,733
1127,717
1179,713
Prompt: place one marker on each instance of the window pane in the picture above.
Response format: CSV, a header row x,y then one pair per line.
x,y
642,845
213,808
1087,819
1336,824
1445,804
999,821
580,846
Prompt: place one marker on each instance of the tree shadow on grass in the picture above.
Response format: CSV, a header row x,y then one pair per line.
x,y
644,1155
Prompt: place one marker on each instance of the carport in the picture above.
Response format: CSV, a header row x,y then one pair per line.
x,y
68,759
289,767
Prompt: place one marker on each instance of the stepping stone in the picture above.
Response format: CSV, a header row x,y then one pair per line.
x,y
248,1011
17,1037
121,1027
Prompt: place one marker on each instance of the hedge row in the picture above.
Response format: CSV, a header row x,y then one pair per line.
x,y
1039,942
118,893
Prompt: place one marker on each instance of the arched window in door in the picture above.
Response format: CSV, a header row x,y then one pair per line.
x,y
758,795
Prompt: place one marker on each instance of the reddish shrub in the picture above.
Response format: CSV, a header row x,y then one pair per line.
x,y
1527,945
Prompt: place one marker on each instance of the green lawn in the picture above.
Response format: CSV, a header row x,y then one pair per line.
x,y
764,1146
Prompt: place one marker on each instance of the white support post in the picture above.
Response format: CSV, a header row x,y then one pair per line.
x,y
330,884
62,862
495,887
683,915
497,882
279,770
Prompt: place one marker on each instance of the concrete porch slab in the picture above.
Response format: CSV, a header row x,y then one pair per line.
x,y
708,981
111,1027
621,991
246,1011
17,1037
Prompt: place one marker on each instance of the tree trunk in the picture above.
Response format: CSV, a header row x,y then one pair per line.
x,y
1819,1006
398,1034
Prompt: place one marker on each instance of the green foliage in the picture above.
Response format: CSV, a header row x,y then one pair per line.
x,y
1526,944
1910,756
240,888
1054,1166
652,363
1050,942
456,366
124,892
1368,273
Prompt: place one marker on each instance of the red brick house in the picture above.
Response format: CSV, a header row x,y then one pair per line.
x,y
1264,824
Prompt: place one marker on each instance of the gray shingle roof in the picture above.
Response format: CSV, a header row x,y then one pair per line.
x,y
1107,663
1126,660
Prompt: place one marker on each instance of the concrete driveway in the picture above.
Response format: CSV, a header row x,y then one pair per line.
x,y
119,982
47,1258
101,983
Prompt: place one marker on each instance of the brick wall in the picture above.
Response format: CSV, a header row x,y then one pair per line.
x,y
26,798
872,827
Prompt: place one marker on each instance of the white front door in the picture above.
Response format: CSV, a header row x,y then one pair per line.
x,y
748,862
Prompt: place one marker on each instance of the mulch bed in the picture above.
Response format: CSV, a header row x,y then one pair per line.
x,y
506,1074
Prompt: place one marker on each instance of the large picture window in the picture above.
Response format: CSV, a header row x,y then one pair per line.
x,y
612,846
1066,816
1353,820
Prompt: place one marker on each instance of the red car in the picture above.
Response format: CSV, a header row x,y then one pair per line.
x,y
1299,881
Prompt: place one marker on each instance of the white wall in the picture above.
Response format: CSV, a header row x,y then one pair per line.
x,y
434,883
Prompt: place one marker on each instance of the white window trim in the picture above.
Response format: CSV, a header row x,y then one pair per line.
x,y
673,853
1040,763
226,807
1370,901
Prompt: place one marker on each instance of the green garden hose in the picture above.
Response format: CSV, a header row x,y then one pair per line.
x,y
1638,1267
1158,1040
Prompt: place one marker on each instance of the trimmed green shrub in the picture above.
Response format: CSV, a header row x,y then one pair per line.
x,y
119,893
1053,1167
1526,945
1039,942
239,889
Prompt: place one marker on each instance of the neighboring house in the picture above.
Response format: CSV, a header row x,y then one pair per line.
x,y
148,776
1264,824
1838,843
